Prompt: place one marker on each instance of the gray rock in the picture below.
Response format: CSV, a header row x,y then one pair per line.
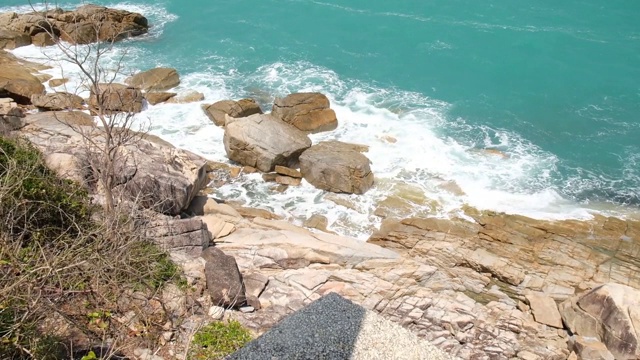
x,y
189,236
262,141
236,109
335,166
224,281
306,111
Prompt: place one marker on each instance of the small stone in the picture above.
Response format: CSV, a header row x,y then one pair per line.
x,y
234,172
216,312
283,170
270,177
388,138
167,335
287,180
247,309
523,307
249,169
317,221
527,355
57,82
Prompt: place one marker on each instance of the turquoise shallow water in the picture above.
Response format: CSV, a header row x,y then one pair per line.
x,y
554,85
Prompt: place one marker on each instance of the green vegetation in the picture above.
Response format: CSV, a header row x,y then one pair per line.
x,y
217,340
66,260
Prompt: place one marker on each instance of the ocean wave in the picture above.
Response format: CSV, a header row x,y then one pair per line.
x,y
422,156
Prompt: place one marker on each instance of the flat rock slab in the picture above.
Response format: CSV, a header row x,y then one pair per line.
x,y
335,328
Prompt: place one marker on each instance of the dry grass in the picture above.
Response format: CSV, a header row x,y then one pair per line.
x,y
66,265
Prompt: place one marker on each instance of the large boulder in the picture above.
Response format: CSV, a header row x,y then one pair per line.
x,y
115,98
609,313
57,101
337,167
306,111
224,281
235,109
17,82
13,39
158,79
150,171
262,141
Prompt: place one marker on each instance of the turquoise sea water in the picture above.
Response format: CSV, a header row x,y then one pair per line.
x,y
553,85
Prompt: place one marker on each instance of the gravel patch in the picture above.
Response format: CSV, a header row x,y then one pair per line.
x,y
335,328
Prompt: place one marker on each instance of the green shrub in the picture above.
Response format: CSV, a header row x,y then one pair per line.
x,y
217,340
35,204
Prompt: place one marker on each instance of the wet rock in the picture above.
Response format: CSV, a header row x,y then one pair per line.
x,y
317,221
158,79
287,180
306,111
188,96
155,98
334,166
236,109
283,170
263,142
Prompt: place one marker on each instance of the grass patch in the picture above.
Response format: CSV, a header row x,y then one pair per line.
x,y
217,340
58,250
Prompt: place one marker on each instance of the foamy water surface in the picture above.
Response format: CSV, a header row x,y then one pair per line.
x,y
425,161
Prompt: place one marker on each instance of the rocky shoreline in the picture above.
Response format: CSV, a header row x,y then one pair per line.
x,y
490,286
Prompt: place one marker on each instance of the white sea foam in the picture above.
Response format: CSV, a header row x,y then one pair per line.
x,y
436,164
